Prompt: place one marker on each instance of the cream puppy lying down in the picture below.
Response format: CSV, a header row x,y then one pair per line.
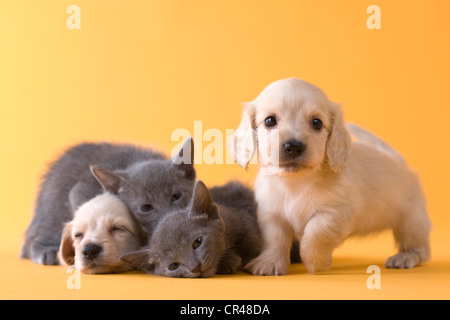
x,y
316,184
102,230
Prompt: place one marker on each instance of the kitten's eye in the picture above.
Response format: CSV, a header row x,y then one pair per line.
x,y
174,266
146,208
316,124
270,122
78,235
197,243
176,196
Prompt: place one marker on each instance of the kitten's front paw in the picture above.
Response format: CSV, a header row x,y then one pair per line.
x,y
403,260
265,265
46,255
230,264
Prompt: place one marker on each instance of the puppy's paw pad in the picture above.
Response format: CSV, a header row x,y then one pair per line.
x,y
403,260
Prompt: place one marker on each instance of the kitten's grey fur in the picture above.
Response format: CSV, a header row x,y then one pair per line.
x,y
145,180
236,195
202,240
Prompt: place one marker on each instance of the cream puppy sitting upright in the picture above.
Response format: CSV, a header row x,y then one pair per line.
x,y
102,230
316,184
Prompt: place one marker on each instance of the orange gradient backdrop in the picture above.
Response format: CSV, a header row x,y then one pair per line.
x,y
138,70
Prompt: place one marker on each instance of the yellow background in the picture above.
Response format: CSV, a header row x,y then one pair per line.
x,y
138,70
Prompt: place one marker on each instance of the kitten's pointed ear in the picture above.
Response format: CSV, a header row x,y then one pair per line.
x,y
109,181
184,158
141,259
202,202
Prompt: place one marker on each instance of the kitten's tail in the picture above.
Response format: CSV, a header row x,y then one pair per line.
x,y
365,136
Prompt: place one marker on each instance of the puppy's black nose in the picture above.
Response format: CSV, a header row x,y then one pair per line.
x,y
294,148
91,251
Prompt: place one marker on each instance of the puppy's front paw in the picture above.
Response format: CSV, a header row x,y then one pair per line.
x,y
317,263
403,260
265,265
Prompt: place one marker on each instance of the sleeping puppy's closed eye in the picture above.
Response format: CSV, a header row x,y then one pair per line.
x,y
102,230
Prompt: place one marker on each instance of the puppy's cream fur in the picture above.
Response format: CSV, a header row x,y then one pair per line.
x,y
335,189
104,221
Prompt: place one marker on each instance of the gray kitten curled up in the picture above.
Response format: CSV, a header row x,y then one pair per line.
x,y
201,240
145,180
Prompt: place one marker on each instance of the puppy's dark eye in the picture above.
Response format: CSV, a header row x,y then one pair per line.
x,y
176,196
146,208
316,124
78,235
174,266
197,243
270,122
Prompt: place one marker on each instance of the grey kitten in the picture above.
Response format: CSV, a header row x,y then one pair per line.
x,y
200,241
145,180
234,194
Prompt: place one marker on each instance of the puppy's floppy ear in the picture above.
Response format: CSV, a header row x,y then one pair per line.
x,y
339,140
202,202
184,158
142,259
66,252
110,181
242,143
